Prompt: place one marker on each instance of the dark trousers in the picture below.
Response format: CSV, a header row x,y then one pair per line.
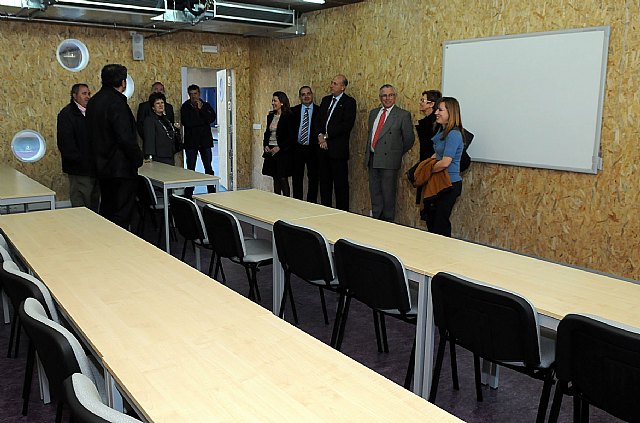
x,y
439,212
192,158
118,200
334,176
383,185
305,156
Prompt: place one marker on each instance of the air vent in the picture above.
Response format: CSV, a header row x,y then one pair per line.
x,y
250,13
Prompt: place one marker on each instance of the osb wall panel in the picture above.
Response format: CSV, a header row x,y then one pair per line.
x,y
35,87
583,220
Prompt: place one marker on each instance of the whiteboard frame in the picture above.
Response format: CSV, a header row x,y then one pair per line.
x,y
597,159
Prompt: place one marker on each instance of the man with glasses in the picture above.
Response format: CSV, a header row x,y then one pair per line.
x,y
390,137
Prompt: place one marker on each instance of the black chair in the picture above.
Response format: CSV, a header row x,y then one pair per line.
x,y
4,256
147,203
598,363
495,325
59,351
305,253
228,242
190,225
378,280
84,403
19,285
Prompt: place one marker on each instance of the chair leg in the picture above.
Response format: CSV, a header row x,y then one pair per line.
x,y
324,306
219,266
454,365
254,276
212,262
59,411
184,249
293,303
17,344
336,322
252,295
557,402
285,291
376,324
438,366
411,367
13,332
383,329
584,411
476,371
28,376
343,322
544,398
577,408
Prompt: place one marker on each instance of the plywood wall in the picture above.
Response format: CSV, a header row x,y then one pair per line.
x,y
34,87
584,220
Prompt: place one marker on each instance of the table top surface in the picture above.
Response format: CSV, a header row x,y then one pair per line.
x,y
168,174
265,206
186,348
17,185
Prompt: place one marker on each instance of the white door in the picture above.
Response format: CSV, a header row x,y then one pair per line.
x,y
225,129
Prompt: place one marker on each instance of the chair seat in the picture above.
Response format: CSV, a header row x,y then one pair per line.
x,y
413,312
258,250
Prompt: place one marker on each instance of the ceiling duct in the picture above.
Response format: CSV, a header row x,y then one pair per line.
x,y
159,16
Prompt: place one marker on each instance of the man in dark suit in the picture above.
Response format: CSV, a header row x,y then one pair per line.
x,y
197,116
144,109
306,117
390,137
338,114
112,133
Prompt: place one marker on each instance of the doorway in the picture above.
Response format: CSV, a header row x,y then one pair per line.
x,y
216,88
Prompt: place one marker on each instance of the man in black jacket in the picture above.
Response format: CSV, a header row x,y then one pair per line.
x,y
75,150
197,117
117,156
306,118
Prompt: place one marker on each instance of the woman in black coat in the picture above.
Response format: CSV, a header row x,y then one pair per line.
x,y
278,142
159,133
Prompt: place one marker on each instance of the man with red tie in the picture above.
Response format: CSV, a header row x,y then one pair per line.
x,y
338,114
390,137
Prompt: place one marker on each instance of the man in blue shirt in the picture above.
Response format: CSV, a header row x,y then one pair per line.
x,y
305,150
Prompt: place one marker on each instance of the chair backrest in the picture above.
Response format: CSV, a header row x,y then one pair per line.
x,y
372,276
3,242
491,322
226,234
188,218
85,405
146,194
18,288
303,251
60,352
4,254
601,360
23,281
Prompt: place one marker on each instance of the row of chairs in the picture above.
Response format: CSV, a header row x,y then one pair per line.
x,y
68,371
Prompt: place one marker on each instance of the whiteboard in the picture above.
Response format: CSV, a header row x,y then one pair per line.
x,y
531,99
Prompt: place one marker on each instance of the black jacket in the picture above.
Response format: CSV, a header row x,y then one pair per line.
x,y
197,125
338,130
73,141
112,134
144,110
296,112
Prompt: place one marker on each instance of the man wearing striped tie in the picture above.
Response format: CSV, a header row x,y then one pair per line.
x,y
305,150
390,137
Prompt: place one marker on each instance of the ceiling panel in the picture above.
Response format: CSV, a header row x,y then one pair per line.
x,y
299,5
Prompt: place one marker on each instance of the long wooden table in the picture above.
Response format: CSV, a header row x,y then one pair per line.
x,y
169,177
17,188
184,348
555,290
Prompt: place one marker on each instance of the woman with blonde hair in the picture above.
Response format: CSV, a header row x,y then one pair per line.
x,y
448,145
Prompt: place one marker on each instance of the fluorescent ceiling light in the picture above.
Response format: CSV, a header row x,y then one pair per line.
x,y
314,1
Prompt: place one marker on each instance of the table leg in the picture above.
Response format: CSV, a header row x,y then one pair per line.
x,y
490,374
428,332
53,203
278,278
114,399
166,219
